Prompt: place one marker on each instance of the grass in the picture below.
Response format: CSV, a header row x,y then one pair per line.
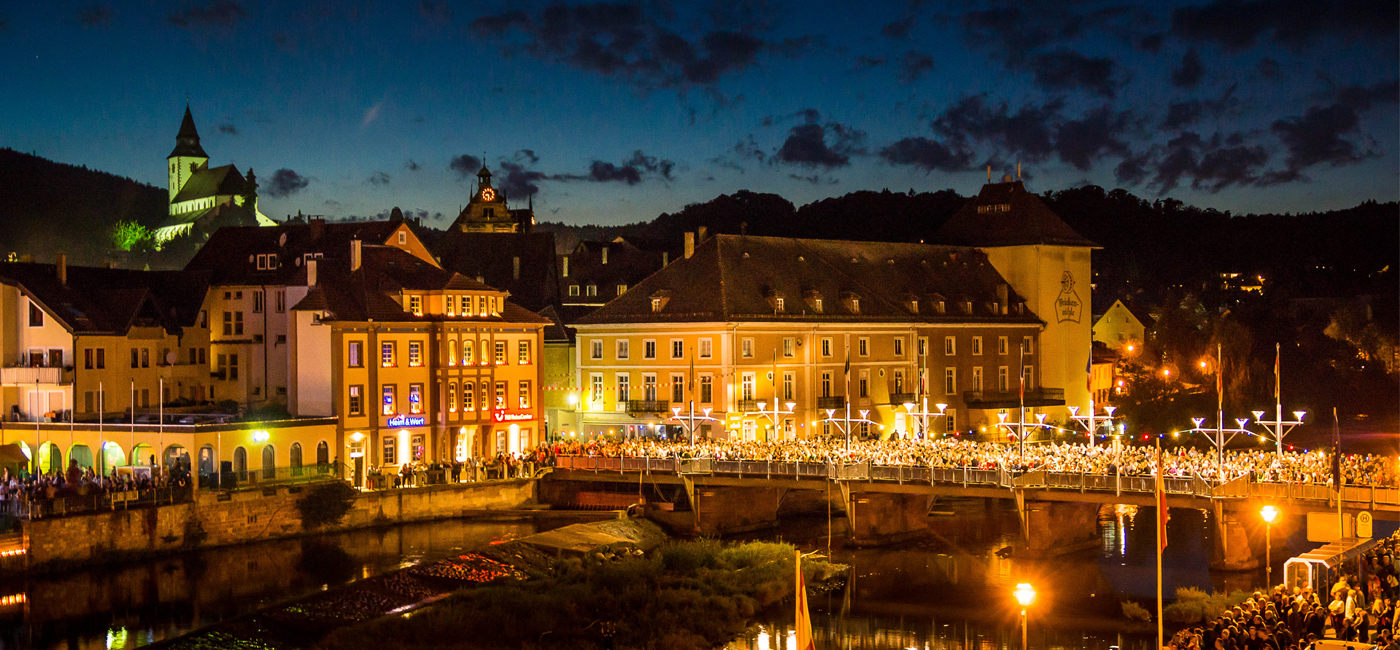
x,y
687,594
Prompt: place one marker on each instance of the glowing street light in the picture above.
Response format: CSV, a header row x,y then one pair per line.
x,y
1269,513
1025,595
924,413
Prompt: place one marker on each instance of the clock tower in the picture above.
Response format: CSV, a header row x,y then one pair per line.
x,y
487,210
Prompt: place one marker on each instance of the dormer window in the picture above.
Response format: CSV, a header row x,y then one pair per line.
x,y
817,305
855,305
942,307
852,302
415,305
267,262
592,289
967,307
914,306
814,300
621,289
655,304
778,305
403,237
659,300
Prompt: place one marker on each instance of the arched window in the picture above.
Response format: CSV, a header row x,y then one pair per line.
x,y
82,454
323,453
451,353
294,458
240,463
269,463
50,458
206,460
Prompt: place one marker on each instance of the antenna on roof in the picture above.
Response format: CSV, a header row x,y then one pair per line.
x,y
989,173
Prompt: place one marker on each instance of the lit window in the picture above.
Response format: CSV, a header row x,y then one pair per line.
x,y
523,354
415,353
387,354
389,399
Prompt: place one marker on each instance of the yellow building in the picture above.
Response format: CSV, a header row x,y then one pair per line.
x,y
1119,326
418,364
770,338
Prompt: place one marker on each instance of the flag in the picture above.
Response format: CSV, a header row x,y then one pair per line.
x,y
1161,501
847,370
1088,374
804,617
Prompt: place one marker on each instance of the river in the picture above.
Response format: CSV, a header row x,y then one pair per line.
x,y
949,589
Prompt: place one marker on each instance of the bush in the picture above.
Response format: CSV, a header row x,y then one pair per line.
x,y
1136,612
326,504
1195,606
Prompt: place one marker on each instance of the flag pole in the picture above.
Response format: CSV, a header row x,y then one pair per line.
x,y
1161,536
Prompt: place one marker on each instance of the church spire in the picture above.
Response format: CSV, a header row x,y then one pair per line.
x,y
187,140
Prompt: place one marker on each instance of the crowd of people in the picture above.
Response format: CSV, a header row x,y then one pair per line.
x,y
83,481
1263,466
1360,607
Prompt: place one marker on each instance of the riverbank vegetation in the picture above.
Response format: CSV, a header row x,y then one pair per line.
x,y
1194,605
687,594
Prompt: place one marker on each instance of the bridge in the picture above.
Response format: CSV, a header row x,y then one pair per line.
x,y
1058,511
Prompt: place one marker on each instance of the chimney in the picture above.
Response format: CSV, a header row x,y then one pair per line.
x,y
311,273
356,250
62,267
689,244
700,234
515,267
318,226
605,254
566,266
1002,297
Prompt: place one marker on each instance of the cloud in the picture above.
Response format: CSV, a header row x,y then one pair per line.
x,y
1269,68
1191,70
631,172
1065,69
412,166
627,43
1315,138
1096,135
379,178
806,144
1238,24
914,65
815,179
371,114
1028,133
1210,165
228,129
217,14
466,166
95,15
928,155
1363,98
865,61
1033,36
435,12
527,154
285,182
899,28
1151,43
1185,113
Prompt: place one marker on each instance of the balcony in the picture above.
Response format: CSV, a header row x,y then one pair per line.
x,y
30,375
639,406
831,402
748,406
900,399
1035,397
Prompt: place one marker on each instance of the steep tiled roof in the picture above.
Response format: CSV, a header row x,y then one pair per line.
x,y
230,254
212,181
491,257
734,277
1005,214
110,301
187,140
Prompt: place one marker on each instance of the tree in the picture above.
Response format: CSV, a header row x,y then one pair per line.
x,y
127,235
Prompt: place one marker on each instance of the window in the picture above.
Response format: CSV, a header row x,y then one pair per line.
x,y
595,349
135,358
624,389
1026,344
923,345
258,302
281,301
357,400
863,384
500,353
677,349
524,394
389,399
415,305
1028,377
950,424
403,237
595,388
855,305
621,289
88,402
622,351
451,305
451,352
145,357
817,305
976,345
648,349
789,347
194,356
950,345
1003,383
899,346
468,396
898,381
573,289
1001,345
863,347
747,348
523,353
706,351
101,362
391,449
788,381
386,354
778,305
826,347
649,387
977,378
232,366
500,395
36,315
467,353
415,398
203,355
415,353
203,318
746,386
706,389
678,388
950,381
592,290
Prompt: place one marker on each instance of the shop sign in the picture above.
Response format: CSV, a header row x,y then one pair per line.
x,y
511,416
407,421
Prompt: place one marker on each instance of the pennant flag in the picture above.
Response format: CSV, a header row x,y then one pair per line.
x,y
1088,374
848,360
1161,501
804,617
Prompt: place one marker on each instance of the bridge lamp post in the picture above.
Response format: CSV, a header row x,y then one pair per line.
x,y
1269,513
1091,422
1025,595
843,424
1020,428
690,422
1276,426
924,413
1217,437
772,415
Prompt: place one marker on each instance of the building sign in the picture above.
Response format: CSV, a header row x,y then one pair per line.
x,y
511,416
1067,305
407,421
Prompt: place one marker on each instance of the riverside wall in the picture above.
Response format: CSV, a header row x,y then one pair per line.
x,y
238,517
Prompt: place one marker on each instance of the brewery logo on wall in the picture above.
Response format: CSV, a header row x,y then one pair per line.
x,y
1068,307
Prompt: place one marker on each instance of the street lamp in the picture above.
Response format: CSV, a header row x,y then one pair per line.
x,y
924,414
1269,513
1025,594
690,421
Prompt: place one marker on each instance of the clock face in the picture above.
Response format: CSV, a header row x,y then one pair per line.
x,y
488,194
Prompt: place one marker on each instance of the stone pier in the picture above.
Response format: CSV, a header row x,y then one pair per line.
x,y
1239,540
1057,527
882,517
723,510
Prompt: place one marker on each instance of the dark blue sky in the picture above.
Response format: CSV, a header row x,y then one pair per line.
x,y
615,113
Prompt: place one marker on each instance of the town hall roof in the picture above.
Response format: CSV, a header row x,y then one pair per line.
x,y
1005,214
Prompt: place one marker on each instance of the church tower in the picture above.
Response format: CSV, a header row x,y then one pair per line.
x,y
187,157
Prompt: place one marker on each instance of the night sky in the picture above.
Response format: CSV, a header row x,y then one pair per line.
x,y
613,113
